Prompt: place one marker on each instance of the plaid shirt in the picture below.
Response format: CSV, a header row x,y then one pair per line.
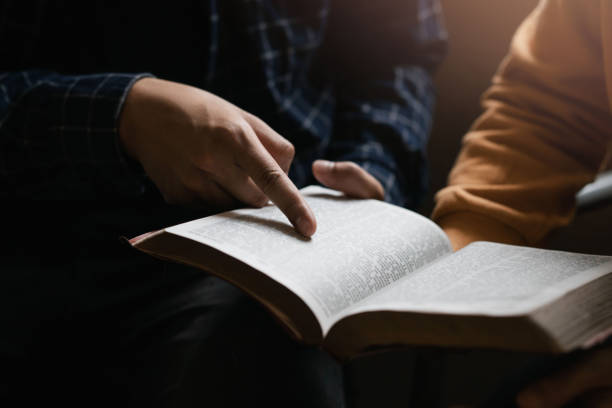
x,y
343,80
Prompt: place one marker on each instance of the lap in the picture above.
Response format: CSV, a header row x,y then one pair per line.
x,y
156,334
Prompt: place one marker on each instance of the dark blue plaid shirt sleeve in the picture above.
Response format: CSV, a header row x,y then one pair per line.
x,y
383,113
373,99
388,136
58,135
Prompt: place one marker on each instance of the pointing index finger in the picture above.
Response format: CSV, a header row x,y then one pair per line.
x,y
277,146
276,185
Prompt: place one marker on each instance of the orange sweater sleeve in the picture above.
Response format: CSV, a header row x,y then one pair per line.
x,y
544,133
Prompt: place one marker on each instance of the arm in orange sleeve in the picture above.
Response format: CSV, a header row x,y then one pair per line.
x,y
544,133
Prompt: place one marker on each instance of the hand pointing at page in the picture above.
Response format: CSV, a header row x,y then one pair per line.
x,y
197,147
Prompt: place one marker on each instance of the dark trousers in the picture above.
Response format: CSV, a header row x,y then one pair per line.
x,y
88,321
202,344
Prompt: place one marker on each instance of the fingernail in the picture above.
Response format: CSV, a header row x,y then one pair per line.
x,y
326,163
304,226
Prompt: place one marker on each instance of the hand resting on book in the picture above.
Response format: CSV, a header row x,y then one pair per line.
x,y
349,178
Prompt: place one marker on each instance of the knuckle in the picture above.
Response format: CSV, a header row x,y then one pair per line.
x,y
242,140
233,130
249,116
287,149
227,139
226,128
204,160
270,178
259,201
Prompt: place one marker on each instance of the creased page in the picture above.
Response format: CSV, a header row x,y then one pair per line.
x,y
490,279
360,247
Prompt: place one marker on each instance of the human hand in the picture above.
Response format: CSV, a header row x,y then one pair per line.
x,y
349,178
588,382
199,148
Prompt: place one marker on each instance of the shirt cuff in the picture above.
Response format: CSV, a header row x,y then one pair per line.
x,y
99,121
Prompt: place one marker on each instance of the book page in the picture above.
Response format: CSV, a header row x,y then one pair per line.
x,y
360,247
490,279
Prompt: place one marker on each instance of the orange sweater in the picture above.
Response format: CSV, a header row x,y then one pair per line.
x,y
545,131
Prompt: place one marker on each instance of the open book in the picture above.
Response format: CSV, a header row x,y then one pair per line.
x,y
377,275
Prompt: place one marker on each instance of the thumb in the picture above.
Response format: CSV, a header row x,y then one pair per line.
x,y
349,178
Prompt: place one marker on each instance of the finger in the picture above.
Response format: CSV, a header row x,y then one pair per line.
x,y
349,178
274,183
222,199
590,372
213,198
179,195
213,195
172,187
200,190
235,181
280,148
